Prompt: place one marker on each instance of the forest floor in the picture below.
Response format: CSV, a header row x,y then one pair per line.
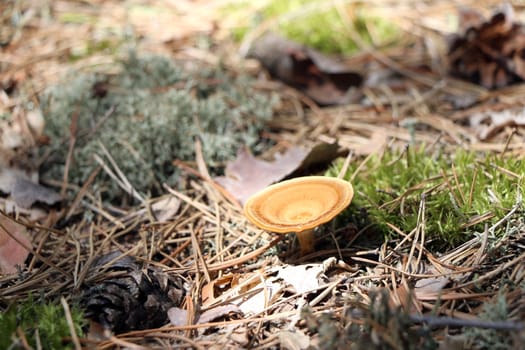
x,y
189,251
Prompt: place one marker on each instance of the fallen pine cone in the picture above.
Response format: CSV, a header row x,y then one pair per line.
x,y
488,52
127,297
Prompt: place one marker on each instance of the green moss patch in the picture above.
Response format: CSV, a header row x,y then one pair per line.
x,y
320,25
460,192
40,323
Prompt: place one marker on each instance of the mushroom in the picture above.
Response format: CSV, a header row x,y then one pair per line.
x,y
299,205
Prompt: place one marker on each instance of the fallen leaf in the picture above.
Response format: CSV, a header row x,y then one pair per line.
x,y
251,293
488,124
254,292
261,296
403,296
19,135
23,190
177,316
13,240
166,208
430,285
302,278
489,52
215,288
32,214
434,283
324,79
247,175
217,312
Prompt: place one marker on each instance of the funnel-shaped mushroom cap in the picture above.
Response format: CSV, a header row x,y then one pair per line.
x,y
298,204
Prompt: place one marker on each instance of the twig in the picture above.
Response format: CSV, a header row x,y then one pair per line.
x,y
494,272
240,260
70,324
433,321
509,214
119,177
82,192
72,141
345,166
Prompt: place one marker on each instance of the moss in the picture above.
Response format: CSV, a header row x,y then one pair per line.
x,y
318,24
148,114
93,46
43,320
457,190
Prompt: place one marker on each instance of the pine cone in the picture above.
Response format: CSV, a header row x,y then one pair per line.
x,y
127,297
490,53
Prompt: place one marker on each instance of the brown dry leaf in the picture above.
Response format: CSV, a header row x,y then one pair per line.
x,y
403,296
19,135
489,52
247,175
324,79
251,293
488,124
215,288
23,190
13,240
258,290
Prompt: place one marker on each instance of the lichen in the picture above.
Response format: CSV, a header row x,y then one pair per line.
x,y
147,115
496,311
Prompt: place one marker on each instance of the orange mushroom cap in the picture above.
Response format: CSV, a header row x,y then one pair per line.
x,y
298,204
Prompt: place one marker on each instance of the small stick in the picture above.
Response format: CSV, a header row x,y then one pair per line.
x,y
345,166
70,324
456,322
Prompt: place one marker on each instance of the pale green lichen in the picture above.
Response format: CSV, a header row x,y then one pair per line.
x,y
493,339
151,115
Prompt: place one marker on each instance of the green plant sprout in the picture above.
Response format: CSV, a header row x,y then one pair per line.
x,y
461,192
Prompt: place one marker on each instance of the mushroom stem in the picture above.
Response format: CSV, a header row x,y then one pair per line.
x,y
306,241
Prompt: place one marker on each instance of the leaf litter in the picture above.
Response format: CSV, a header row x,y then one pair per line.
x,y
322,78
196,236
247,175
14,246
